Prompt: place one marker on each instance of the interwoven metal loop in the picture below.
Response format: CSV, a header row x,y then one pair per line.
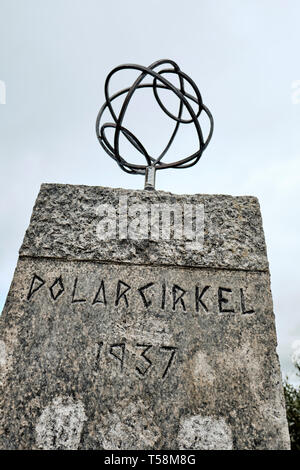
x,y
158,81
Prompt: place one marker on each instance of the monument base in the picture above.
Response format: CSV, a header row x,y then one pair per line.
x,y
134,343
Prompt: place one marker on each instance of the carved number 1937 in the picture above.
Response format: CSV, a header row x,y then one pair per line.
x,y
145,360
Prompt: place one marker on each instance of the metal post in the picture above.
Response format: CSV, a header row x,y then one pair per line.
x,y
150,178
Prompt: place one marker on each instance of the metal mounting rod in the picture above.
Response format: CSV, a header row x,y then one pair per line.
x,y
150,178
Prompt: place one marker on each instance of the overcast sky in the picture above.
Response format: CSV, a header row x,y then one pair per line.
x,y
243,55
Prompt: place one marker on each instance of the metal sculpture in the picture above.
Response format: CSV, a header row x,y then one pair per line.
x,y
158,81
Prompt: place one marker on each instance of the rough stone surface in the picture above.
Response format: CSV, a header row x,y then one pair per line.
x,y
205,433
127,344
60,425
64,225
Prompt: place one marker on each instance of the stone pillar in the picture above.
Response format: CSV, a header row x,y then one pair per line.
x,y
121,332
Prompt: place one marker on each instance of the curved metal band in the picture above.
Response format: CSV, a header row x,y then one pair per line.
x,y
158,82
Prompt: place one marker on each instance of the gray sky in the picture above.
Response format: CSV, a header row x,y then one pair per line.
x,y
243,55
